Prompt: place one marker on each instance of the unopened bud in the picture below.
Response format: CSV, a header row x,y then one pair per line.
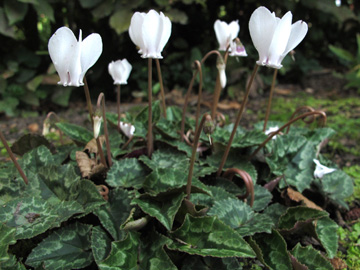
x,y
221,67
46,127
97,118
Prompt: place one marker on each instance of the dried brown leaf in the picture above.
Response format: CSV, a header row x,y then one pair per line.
x,y
91,146
88,167
298,197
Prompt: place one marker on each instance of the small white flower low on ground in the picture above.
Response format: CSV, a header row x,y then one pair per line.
x,y
321,170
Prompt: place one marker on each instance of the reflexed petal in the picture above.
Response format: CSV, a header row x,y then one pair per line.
x,y
151,33
166,32
298,32
127,129
262,26
91,49
279,41
135,29
75,65
321,170
61,49
222,33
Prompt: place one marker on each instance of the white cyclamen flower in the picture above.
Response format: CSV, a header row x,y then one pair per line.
x,y
150,32
127,129
72,58
321,170
97,125
237,48
271,130
226,33
120,71
273,37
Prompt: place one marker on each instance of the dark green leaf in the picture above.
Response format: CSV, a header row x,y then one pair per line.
x,y
7,237
15,11
100,244
75,132
115,212
326,230
274,251
166,158
67,248
262,198
311,258
208,236
297,214
126,173
32,216
275,211
164,210
123,254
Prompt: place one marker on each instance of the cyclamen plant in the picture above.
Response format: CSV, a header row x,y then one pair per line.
x,y
159,198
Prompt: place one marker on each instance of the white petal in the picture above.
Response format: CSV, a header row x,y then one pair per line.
x,y
91,49
127,129
75,65
279,41
298,32
135,29
321,170
166,32
234,29
151,33
262,26
222,34
61,49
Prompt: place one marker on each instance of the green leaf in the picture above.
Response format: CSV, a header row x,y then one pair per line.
x,y
311,258
275,211
326,231
32,216
166,158
89,3
273,250
61,96
164,179
120,20
239,216
167,128
261,199
37,158
126,173
123,254
115,212
75,132
15,11
208,263
45,9
297,214
141,120
66,248
337,186
153,255
208,236
100,243
11,184
7,237
341,53
9,31
164,209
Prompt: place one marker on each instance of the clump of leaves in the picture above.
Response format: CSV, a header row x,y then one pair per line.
x,y
62,220
349,240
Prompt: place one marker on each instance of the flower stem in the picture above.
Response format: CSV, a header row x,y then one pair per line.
x,y
150,142
162,92
100,151
270,99
11,154
88,100
118,105
198,68
101,99
193,154
241,110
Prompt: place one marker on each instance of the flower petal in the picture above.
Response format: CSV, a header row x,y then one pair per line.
x,y
61,49
151,33
262,26
91,49
166,32
234,29
298,32
222,33
135,29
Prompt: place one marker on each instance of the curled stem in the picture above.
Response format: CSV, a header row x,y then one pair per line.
x,y
162,92
270,99
229,173
150,142
118,105
205,117
58,120
287,125
88,100
309,121
101,102
13,159
238,118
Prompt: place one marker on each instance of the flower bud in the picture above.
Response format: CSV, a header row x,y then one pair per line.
x,y
97,123
221,67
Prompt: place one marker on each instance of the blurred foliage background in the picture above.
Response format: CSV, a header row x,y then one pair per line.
x,y
28,79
